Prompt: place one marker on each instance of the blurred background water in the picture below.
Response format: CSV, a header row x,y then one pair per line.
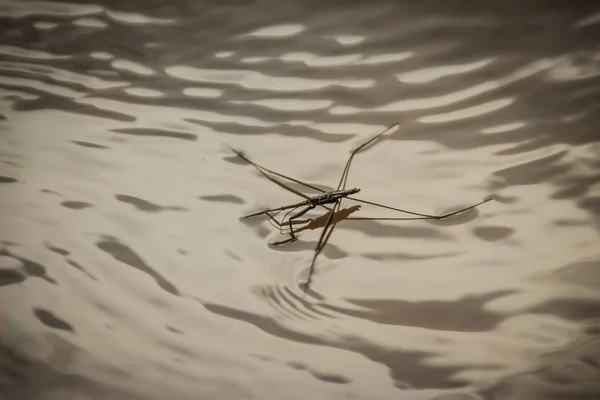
x,y
126,272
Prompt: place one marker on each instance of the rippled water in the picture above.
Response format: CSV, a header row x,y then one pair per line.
x,y
127,273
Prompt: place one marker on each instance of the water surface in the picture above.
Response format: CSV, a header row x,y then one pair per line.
x,y
127,273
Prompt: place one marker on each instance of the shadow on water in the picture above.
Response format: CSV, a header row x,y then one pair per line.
x,y
406,367
126,255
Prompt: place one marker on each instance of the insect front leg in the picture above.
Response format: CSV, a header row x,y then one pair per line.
x,y
282,225
291,222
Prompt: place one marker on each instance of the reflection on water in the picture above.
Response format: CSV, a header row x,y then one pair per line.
x,y
126,272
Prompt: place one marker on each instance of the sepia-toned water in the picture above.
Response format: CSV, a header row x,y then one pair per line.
x,y
128,272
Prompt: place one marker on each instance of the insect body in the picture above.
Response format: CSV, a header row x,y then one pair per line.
x,y
332,197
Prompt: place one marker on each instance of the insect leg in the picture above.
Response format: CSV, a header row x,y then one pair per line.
x,y
290,224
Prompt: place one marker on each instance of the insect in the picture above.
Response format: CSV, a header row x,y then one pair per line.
x,y
331,201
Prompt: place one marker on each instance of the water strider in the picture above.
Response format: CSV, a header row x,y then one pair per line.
x,y
325,198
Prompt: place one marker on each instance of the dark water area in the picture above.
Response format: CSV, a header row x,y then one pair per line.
x,y
128,272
